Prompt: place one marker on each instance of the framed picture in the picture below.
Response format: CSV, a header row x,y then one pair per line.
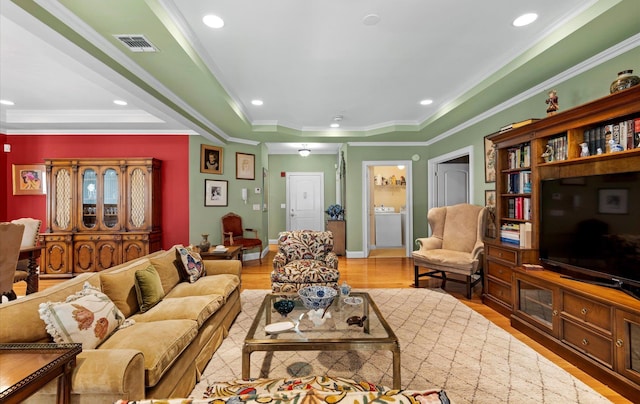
x,y
210,159
490,198
613,201
489,160
216,193
29,179
245,166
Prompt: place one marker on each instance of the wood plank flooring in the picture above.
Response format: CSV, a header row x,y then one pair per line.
x,y
398,273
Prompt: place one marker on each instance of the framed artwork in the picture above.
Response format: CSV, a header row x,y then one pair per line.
x,y
490,198
489,160
29,179
613,201
245,166
210,159
216,193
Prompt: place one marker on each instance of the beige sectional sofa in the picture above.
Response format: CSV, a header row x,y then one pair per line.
x,y
161,352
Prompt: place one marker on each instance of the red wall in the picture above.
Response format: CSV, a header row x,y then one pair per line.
x,y
173,150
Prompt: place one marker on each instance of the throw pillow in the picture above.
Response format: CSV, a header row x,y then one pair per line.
x,y
87,317
192,266
148,288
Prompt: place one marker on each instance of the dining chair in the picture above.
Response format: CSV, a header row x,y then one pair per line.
x,y
11,236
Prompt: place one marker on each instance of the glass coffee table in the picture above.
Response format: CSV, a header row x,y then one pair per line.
x,y
349,327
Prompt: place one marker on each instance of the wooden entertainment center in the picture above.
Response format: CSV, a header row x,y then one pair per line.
x,y
595,327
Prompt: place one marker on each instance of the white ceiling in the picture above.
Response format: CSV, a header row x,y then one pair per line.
x,y
308,60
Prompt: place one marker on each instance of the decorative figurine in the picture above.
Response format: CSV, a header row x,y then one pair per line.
x,y
548,154
345,289
584,152
552,102
614,147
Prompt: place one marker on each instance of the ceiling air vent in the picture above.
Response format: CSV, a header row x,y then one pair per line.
x,y
137,43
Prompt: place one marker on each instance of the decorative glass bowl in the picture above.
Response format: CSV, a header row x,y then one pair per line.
x,y
284,306
317,297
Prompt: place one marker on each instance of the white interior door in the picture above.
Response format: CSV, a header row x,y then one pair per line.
x,y
453,184
305,201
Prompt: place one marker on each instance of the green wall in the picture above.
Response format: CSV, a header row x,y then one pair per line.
x,y
585,87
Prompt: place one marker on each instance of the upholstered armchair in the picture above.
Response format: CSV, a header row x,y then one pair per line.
x,y
304,258
29,239
455,245
11,236
233,234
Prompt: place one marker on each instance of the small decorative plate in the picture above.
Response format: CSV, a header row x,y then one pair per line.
x,y
353,300
282,326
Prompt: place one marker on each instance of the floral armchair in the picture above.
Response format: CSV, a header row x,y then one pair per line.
x,y
304,258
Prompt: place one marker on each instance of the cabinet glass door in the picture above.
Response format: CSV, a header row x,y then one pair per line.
x,y
110,198
536,302
89,198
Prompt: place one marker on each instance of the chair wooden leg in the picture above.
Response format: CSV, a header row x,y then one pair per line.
x,y
416,284
468,287
444,279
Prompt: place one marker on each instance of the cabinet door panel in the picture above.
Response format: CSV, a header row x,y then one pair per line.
x,y
57,256
627,345
107,255
85,257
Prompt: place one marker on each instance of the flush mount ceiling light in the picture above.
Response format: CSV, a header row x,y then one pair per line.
x,y
304,152
257,103
120,102
371,19
336,121
213,21
426,102
7,102
525,19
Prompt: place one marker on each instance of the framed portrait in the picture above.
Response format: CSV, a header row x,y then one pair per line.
x,y
29,179
210,159
245,166
216,193
490,198
490,156
613,201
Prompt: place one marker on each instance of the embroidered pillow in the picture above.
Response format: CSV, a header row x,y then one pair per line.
x,y
148,288
192,266
86,317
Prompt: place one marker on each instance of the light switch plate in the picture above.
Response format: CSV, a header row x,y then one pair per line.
x,y
256,206
7,148
283,206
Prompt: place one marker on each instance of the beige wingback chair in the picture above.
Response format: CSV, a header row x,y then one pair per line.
x,y
11,236
455,245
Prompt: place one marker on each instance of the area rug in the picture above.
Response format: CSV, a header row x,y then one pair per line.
x,y
444,344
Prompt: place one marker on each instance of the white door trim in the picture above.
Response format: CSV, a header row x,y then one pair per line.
x,y
433,162
408,232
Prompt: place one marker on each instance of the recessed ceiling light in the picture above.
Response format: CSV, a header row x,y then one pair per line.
x,y
7,102
371,19
213,21
119,102
335,125
426,102
257,102
525,19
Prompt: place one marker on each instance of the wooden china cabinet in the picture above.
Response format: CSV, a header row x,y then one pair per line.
x,y
100,213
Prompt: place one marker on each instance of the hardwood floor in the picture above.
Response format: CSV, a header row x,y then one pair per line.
x,y
398,273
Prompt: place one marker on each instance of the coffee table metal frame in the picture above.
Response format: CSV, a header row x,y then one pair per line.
x,y
305,341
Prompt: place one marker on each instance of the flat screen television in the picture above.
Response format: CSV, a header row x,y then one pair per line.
x,y
590,229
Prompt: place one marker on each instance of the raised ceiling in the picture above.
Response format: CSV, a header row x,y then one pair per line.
x,y
307,60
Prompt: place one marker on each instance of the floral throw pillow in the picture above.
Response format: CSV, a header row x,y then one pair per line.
x,y
86,317
192,267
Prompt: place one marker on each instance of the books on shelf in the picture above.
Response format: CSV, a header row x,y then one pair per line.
x,y
519,208
517,234
518,124
625,133
558,148
519,182
519,157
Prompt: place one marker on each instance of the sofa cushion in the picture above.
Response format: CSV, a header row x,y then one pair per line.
x,y
196,308
148,288
192,267
305,271
223,284
168,267
86,317
161,343
119,284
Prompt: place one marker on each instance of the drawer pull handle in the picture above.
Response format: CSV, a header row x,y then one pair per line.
x,y
501,272
584,311
555,313
585,341
619,343
499,254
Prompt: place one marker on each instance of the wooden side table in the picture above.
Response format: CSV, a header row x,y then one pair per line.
x,y
26,368
338,228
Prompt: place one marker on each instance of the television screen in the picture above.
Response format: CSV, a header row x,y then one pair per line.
x,y
591,225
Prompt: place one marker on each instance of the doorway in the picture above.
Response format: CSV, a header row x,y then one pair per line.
x,y
450,178
305,201
387,221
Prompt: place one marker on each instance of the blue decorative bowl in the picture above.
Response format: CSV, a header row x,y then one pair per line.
x,y
284,306
317,297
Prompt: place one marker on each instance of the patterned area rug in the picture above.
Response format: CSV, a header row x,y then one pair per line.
x,y
444,344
